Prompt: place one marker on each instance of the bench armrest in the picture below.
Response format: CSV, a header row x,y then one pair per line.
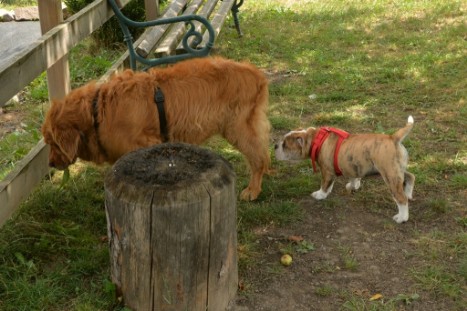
x,y
125,23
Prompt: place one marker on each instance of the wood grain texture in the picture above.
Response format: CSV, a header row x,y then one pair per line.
x,y
19,183
20,70
155,33
172,229
58,75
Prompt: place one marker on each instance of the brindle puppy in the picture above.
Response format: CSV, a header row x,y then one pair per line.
x,y
359,155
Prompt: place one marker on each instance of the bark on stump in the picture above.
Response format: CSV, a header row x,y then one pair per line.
x,y
171,216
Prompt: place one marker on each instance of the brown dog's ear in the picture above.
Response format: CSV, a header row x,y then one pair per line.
x,y
67,140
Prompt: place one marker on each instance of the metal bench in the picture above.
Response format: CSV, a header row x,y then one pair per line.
x,y
186,29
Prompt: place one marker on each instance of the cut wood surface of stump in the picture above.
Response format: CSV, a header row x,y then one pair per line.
x,y
171,215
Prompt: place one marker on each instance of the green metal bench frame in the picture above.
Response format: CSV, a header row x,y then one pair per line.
x,y
191,52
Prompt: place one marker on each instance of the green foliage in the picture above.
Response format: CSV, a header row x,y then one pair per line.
x,y
279,212
439,281
459,181
88,62
37,90
304,247
282,122
17,144
110,33
298,247
76,5
325,290
19,3
349,261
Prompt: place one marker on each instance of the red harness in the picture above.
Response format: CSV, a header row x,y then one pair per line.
x,y
320,137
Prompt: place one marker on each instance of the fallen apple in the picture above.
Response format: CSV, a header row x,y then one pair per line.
x,y
286,260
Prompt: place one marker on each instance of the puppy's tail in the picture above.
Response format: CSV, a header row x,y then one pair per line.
x,y
403,132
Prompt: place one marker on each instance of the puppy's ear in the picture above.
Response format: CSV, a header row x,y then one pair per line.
x,y
311,130
67,140
301,141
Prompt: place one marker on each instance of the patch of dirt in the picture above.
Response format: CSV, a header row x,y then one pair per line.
x,y
12,116
382,250
187,165
11,121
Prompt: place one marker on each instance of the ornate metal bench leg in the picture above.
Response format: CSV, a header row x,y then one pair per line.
x,y
237,4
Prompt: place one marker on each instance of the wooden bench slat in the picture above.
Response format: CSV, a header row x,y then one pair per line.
x,y
218,19
208,8
206,12
155,33
170,41
203,18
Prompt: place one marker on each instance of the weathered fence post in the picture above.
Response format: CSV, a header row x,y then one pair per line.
x,y
171,215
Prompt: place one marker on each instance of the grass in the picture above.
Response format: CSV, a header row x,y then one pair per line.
x,y
15,145
52,255
11,4
348,259
363,66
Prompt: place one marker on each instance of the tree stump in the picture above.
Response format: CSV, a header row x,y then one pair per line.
x,y
171,215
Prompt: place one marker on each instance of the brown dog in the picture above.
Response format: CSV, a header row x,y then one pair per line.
x,y
203,97
354,156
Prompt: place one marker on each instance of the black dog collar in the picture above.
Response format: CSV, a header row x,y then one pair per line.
x,y
159,99
95,115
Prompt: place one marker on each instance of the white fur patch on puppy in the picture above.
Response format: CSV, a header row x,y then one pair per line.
x,y
403,214
321,194
353,184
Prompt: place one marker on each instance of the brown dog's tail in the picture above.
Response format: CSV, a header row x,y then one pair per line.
x,y
403,132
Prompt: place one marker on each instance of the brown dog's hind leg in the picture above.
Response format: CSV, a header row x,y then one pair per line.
x,y
251,137
256,153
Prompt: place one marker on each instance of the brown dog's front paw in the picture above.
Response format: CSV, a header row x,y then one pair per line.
x,y
248,194
271,171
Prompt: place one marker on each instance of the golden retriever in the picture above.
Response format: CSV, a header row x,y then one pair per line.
x,y
203,97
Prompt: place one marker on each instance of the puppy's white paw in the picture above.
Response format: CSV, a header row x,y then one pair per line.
x,y
319,195
400,218
353,184
403,214
408,192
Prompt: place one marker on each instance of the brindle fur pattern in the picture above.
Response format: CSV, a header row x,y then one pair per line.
x,y
360,155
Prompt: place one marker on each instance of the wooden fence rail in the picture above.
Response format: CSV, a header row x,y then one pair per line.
x,y
17,73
